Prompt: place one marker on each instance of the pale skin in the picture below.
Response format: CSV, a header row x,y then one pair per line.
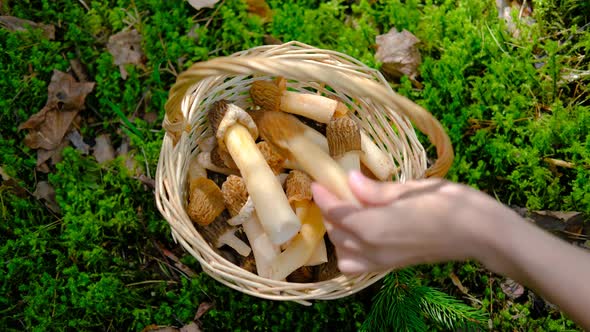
x,y
432,221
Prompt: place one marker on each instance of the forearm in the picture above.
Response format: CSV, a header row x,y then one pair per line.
x,y
550,266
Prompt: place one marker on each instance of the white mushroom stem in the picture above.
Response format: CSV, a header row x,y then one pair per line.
x,y
273,209
301,247
204,159
230,239
375,159
316,137
263,249
350,161
319,255
308,155
315,107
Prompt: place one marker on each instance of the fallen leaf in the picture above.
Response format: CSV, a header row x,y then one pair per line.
x,y
158,328
79,70
12,184
103,150
202,309
458,283
47,128
525,11
398,52
270,40
512,289
198,4
125,47
45,193
259,8
12,23
76,139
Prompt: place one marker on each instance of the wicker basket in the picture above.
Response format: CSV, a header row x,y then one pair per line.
x,y
383,114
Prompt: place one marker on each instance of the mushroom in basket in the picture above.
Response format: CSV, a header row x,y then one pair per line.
x,y
236,133
205,208
273,96
235,196
285,132
298,189
344,140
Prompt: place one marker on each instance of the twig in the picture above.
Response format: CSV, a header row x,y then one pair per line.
x,y
84,4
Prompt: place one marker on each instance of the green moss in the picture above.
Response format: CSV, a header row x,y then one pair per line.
x,y
96,265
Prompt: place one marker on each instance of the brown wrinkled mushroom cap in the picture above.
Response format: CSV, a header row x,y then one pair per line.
x,y
343,135
234,194
298,187
223,115
277,127
216,113
266,94
248,263
222,159
301,275
205,201
274,159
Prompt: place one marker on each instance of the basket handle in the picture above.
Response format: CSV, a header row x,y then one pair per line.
x,y
310,71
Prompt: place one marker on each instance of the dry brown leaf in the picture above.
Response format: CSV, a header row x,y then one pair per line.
x,y
399,54
47,128
198,4
78,142
458,283
158,328
45,192
512,289
202,309
12,23
103,150
259,8
125,47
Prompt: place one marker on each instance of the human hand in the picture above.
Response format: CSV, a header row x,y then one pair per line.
x,y
424,221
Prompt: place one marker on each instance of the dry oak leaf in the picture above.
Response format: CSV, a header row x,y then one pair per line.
x,y
48,127
125,47
198,4
259,8
103,150
399,54
12,23
45,192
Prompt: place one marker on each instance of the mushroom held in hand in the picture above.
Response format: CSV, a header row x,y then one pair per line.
x,y
344,140
205,201
285,132
236,132
235,196
273,96
219,233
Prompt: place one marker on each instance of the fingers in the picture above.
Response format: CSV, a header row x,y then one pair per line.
x,y
353,263
333,208
373,193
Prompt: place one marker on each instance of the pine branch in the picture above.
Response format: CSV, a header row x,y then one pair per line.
x,y
397,306
450,312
